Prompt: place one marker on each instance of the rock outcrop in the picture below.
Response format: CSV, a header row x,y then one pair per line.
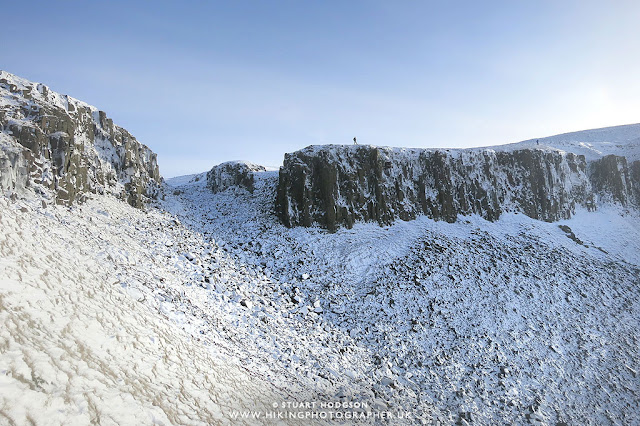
x,y
233,174
634,171
339,185
615,180
14,168
57,143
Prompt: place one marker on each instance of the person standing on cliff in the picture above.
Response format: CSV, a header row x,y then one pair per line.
x,y
354,141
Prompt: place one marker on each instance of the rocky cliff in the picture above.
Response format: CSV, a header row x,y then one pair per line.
x,y
233,174
339,185
615,180
67,148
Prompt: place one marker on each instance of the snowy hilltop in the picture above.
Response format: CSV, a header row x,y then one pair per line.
x,y
68,148
594,144
501,288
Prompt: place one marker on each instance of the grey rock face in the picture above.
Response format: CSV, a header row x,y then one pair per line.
x,y
233,174
339,185
14,167
615,180
70,147
634,170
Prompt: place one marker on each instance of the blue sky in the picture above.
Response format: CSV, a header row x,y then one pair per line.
x,y
206,82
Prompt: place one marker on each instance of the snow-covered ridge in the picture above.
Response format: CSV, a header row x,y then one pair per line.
x,y
335,185
67,148
594,144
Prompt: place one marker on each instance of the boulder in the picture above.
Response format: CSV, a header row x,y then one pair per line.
x,y
236,174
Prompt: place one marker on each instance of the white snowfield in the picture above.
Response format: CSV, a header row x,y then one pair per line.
x,y
204,309
593,144
78,342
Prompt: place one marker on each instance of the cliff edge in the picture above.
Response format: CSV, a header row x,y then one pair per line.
x,y
67,148
339,185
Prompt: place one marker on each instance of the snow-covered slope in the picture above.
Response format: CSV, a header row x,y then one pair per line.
x,y
594,144
94,329
109,313
205,309
511,321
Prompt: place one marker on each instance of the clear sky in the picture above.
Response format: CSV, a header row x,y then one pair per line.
x,y
202,82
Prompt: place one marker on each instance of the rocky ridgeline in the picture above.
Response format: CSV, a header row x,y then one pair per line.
x,y
54,142
336,185
233,174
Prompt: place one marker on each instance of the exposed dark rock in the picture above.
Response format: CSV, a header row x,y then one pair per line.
x,y
14,168
233,174
69,147
567,230
634,170
614,180
339,185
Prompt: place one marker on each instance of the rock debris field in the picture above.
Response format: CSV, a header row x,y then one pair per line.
x,y
204,305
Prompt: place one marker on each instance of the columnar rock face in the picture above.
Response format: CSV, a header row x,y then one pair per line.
x,y
64,145
616,180
14,168
634,171
339,185
233,173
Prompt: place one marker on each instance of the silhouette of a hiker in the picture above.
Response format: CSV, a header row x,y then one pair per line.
x,y
354,141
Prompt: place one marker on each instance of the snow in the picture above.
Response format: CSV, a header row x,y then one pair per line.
x,y
37,91
471,319
204,305
182,180
609,230
109,312
81,340
593,144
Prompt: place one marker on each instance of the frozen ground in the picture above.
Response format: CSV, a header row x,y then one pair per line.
x,y
513,321
205,306
92,327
